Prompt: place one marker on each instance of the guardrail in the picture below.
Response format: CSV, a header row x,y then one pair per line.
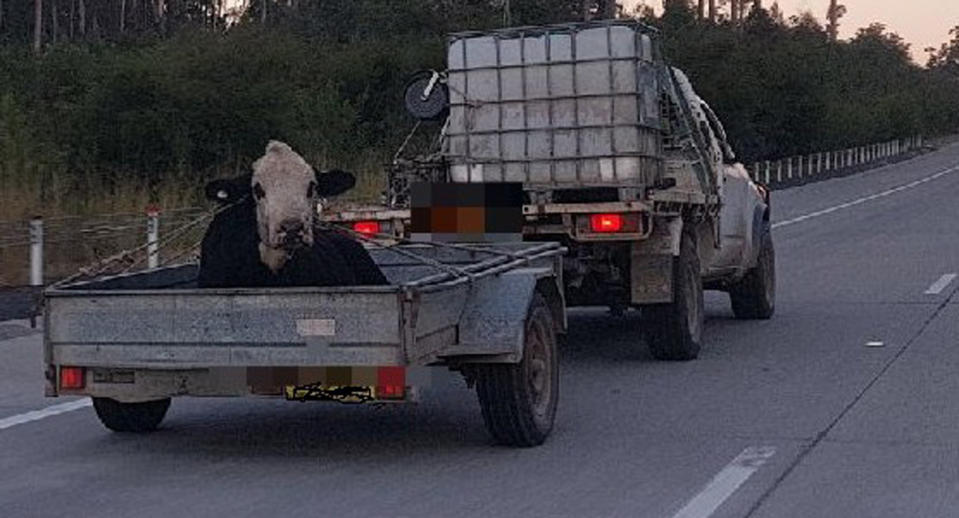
x,y
39,250
804,168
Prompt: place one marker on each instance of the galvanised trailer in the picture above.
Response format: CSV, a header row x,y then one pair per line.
x,y
492,312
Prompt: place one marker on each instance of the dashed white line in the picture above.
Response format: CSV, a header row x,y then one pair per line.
x,y
43,413
941,284
860,201
726,482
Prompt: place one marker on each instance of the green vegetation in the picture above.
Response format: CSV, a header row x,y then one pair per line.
x,y
142,104
786,87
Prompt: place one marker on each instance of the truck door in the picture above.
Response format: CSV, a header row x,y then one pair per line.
x,y
735,217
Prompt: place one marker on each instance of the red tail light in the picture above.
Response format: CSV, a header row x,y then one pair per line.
x,y
71,377
606,222
367,227
390,382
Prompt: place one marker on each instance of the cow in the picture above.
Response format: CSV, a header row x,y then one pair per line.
x,y
266,236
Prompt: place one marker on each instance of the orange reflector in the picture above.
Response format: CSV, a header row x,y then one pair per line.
x,y
606,222
390,382
71,377
367,227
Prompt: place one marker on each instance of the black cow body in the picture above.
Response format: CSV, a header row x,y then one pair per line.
x,y
230,257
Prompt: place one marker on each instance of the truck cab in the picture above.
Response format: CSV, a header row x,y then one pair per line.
x,y
745,210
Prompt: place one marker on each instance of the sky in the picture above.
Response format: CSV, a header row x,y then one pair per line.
x,y
922,23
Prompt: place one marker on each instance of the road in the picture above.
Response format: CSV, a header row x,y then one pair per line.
x,y
846,404
17,302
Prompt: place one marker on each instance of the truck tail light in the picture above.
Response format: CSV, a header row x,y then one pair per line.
x,y
606,222
368,228
71,377
390,382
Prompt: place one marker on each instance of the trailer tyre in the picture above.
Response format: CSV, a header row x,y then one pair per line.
x,y
754,297
131,417
674,331
519,400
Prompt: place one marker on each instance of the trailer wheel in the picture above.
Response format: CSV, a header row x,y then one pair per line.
x,y
674,331
519,400
130,417
754,297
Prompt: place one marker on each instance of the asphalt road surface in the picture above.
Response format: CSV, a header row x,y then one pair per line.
x,y
17,302
846,404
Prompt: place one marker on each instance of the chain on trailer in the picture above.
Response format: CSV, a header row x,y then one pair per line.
x,y
503,257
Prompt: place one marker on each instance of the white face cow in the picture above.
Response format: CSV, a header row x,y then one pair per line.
x,y
284,188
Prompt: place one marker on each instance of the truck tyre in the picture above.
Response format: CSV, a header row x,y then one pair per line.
x,y
674,331
518,400
130,417
754,297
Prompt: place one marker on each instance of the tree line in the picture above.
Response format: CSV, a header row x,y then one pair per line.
x,y
787,85
49,22
97,95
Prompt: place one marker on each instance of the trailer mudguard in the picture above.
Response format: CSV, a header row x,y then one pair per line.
x,y
493,323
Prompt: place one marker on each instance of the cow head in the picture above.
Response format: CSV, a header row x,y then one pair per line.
x,y
284,189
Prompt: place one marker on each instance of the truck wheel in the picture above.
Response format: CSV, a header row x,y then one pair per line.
x,y
130,417
519,400
674,331
754,297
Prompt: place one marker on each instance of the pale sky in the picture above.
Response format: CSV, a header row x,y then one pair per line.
x,y
922,23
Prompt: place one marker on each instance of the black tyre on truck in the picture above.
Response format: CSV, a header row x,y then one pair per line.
x,y
754,297
131,417
674,331
519,400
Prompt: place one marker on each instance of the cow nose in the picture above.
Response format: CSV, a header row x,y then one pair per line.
x,y
291,230
291,226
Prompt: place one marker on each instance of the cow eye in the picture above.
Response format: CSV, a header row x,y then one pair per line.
x,y
258,191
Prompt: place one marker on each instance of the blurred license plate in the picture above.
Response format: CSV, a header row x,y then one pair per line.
x,y
343,394
349,385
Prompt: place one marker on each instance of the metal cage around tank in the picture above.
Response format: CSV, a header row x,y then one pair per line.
x,y
556,106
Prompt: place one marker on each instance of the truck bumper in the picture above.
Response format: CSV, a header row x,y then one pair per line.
x,y
136,385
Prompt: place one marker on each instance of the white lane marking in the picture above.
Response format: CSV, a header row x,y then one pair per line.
x,y
860,201
726,482
875,343
941,284
43,413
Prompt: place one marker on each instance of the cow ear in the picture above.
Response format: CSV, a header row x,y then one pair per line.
x,y
334,182
228,190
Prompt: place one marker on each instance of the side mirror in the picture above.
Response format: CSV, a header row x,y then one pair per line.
x,y
334,182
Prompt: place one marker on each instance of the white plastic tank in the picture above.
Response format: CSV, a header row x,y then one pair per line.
x,y
572,104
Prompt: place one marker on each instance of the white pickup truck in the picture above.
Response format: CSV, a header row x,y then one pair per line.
x,y
620,160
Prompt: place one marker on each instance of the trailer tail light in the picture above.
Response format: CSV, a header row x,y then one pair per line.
x,y
368,228
390,383
603,223
71,377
